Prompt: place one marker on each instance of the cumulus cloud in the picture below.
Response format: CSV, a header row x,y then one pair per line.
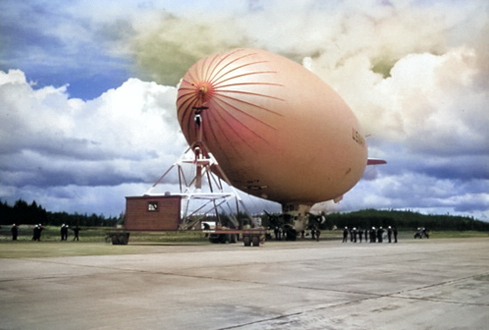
x,y
49,141
429,103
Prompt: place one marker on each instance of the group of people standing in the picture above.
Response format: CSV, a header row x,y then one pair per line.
x,y
64,232
37,231
373,235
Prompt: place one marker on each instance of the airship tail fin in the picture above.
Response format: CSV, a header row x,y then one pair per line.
x,y
375,161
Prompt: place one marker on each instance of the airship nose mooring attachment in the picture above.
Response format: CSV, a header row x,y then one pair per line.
x,y
205,91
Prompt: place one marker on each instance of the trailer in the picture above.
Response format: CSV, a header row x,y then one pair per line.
x,y
191,207
250,237
117,237
152,213
205,191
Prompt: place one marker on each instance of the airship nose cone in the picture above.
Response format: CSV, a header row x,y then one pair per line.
x,y
204,91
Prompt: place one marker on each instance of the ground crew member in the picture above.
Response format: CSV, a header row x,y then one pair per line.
x,y
37,233
316,233
380,233
372,235
76,230
14,232
64,232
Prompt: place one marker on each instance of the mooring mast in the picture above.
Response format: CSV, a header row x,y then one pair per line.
x,y
208,186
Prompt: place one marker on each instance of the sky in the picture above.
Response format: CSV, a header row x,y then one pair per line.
x,y
88,91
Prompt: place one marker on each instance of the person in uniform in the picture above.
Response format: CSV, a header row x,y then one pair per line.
x,y
35,233
64,232
380,233
345,234
317,233
14,230
372,235
76,231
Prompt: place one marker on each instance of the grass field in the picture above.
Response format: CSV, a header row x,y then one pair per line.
x,y
92,242
98,234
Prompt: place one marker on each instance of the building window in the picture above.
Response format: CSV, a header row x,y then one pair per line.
x,y
152,206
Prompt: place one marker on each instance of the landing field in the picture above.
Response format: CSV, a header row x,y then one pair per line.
x,y
414,284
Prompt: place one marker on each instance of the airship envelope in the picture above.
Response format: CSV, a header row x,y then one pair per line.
x,y
276,129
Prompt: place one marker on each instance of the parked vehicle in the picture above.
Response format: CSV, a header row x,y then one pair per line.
x,y
421,232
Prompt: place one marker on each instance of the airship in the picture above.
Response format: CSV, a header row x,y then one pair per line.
x,y
276,129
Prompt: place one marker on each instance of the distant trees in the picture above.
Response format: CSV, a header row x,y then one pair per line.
x,y
22,212
405,220
29,214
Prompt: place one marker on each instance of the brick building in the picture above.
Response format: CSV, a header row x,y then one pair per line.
x,y
152,213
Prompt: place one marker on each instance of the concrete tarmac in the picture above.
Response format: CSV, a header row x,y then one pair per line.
x,y
414,284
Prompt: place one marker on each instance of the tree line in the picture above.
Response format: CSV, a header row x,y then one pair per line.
x,y
403,220
30,214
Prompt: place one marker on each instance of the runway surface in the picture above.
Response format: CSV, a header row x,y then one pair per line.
x,y
415,284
